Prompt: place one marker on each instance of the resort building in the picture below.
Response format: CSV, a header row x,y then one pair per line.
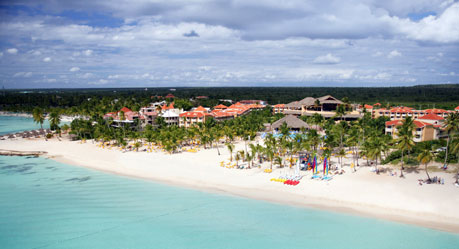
x,y
149,114
428,127
293,123
253,102
423,131
198,115
325,106
125,117
171,116
279,108
402,112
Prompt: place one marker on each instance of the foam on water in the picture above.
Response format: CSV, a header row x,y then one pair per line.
x,y
46,204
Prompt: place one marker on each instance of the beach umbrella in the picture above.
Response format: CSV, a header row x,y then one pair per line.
x,y
11,136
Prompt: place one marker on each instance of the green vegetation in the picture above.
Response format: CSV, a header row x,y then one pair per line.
x,y
362,139
83,101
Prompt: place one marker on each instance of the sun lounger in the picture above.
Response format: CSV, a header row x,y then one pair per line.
x,y
327,178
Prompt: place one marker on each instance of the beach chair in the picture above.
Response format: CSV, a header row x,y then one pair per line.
x,y
327,178
316,176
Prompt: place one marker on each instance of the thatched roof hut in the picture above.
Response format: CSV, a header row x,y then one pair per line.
x,y
292,122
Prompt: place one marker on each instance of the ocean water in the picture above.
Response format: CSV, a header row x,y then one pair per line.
x,y
12,124
46,204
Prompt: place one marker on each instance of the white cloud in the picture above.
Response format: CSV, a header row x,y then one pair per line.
x,y
23,74
377,54
88,52
1,54
235,46
47,59
86,75
99,82
74,69
441,29
12,50
393,54
382,76
327,59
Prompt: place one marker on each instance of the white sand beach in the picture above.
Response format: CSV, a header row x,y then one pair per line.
x,y
361,193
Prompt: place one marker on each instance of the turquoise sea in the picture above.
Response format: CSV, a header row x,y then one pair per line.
x,y
46,204
12,124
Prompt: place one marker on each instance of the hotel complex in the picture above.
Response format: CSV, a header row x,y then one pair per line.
x,y
428,123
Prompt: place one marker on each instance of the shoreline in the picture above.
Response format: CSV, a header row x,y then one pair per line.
x,y
323,204
64,118
182,170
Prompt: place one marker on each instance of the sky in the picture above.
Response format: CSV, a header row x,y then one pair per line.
x,y
207,43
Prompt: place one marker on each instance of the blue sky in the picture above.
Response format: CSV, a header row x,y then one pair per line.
x,y
137,43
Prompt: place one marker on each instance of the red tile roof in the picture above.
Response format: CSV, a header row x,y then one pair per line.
x,y
125,109
401,109
431,116
420,124
279,106
436,111
368,106
457,108
200,109
394,122
417,123
220,107
165,107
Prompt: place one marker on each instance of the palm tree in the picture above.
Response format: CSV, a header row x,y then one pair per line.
x,y
405,138
340,111
269,152
54,119
426,156
216,133
341,153
278,161
253,152
317,104
38,116
451,127
353,141
455,149
230,147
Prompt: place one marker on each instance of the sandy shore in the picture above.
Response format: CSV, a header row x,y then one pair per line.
x,y
362,193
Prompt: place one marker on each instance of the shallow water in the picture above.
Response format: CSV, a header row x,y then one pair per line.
x,y
12,124
46,204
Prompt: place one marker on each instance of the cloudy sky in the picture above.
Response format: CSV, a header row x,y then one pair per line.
x,y
124,43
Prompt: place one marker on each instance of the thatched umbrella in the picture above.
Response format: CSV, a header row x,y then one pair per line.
x,y
11,136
